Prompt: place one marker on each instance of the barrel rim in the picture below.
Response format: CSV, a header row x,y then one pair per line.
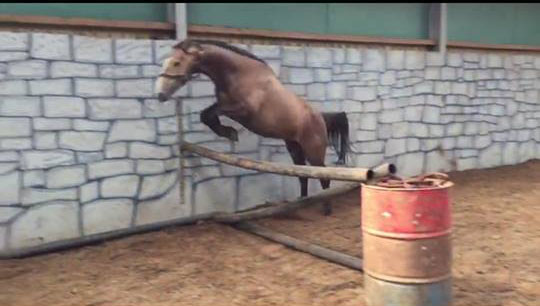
x,y
407,280
447,185
406,236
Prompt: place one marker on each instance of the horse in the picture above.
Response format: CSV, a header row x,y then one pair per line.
x,y
249,92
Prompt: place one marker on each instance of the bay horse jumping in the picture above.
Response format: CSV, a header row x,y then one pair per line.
x,y
249,92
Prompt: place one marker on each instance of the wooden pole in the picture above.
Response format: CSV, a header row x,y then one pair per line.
x,y
300,245
271,209
384,170
331,173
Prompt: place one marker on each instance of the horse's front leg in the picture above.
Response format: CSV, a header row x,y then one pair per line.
x,y
210,117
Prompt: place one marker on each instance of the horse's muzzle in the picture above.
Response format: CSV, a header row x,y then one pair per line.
x,y
162,97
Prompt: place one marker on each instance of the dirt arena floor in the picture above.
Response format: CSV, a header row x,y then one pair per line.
x,y
496,257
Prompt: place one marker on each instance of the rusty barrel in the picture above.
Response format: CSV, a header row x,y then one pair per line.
x,y
406,245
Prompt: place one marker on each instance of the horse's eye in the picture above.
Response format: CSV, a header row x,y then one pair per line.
x,y
175,64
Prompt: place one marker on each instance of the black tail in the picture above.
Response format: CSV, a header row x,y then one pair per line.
x,y
337,127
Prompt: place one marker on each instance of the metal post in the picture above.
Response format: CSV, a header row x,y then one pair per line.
x,y
170,12
438,25
176,12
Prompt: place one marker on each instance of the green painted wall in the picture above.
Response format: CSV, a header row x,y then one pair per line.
x,y
109,11
496,23
302,17
406,20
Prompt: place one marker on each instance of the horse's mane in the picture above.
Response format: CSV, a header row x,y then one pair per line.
x,y
196,42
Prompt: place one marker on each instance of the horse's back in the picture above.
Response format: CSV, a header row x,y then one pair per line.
x,y
308,120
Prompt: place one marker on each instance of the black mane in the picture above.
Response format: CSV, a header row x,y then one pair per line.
x,y
190,42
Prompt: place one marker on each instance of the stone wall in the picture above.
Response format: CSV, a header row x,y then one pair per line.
x,y
85,149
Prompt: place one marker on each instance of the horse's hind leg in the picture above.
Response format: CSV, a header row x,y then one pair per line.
x,y
298,157
327,208
315,152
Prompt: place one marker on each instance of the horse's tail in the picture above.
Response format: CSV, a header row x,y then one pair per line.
x,y
337,127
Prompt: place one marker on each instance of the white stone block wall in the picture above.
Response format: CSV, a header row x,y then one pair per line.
x,y
85,148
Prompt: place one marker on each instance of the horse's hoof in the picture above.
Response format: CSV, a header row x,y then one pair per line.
x,y
339,162
327,211
232,135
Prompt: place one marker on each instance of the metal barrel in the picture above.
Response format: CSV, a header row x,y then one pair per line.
x,y
406,245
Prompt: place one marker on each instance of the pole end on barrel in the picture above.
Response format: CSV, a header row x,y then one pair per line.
x,y
392,169
370,174
384,170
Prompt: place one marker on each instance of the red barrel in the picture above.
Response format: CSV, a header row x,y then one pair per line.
x,y
407,246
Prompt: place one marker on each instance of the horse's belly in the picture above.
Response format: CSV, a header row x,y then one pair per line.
x,y
287,130
280,117
270,133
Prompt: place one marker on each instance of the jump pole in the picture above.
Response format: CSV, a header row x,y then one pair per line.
x,y
330,173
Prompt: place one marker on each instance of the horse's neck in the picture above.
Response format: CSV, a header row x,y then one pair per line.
x,y
218,64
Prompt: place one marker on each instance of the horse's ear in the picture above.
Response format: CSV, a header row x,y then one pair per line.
x,y
195,48
199,52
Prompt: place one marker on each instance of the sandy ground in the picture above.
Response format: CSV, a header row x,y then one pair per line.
x,y
496,257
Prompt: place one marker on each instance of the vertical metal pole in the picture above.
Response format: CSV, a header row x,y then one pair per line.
x,y
170,12
438,25
176,13
443,33
181,166
180,20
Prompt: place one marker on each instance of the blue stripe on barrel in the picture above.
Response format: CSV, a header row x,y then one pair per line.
x,y
384,293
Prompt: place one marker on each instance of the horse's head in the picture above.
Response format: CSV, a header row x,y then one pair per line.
x,y
178,68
